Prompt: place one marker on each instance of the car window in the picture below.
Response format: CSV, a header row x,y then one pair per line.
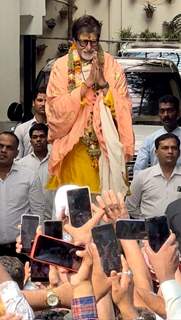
x,y
173,56
145,89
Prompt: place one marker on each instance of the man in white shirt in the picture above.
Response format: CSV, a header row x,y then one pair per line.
x,y
154,188
20,193
22,131
169,114
37,160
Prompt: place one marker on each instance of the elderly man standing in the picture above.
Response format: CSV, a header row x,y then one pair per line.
x,y
20,193
89,114
152,189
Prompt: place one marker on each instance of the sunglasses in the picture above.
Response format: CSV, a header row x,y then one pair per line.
x,y
84,43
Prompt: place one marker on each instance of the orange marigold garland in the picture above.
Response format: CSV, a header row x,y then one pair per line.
x,y
74,67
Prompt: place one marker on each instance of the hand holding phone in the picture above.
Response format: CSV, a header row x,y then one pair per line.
x,y
56,252
79,206
108,247
158,231
29,225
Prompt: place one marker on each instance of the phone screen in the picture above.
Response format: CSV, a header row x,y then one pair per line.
x,y
79,206
53,228
56,252
131,229
158,231
29,224
39,271
108,247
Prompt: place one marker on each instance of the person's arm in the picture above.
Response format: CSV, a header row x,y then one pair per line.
x,y
141,274
83,303
122,292
134,200
165,263
36,198
38,298
143,156
105,308
171,291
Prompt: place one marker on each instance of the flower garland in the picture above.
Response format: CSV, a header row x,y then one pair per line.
x,y
75,65
74,69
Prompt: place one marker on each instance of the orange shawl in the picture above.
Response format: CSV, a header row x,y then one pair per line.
x,y
67,119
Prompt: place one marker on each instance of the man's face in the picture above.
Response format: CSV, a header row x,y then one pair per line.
x,y
168,152
87,45
39,103
168,116
39,141
8,150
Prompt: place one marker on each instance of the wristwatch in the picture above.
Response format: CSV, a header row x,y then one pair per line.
x,y
52,299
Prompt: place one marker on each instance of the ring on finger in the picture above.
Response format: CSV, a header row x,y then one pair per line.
x,y
113,207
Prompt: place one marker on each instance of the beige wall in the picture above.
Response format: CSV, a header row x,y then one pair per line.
x,y
108,11
9,54
10,12
134,16
115,14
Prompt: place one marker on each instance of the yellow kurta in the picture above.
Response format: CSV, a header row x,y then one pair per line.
x,y
77,169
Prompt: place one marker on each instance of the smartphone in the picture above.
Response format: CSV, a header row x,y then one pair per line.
x,y
79,206
158,231
29,224
39,272
108,246
131,229
53,228
56,252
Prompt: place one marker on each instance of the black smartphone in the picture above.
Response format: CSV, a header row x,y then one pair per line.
x,y
131,229
79,206
53,228
108,246
39,272
29,224
56,252
158,231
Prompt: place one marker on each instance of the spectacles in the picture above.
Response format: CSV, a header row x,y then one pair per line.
x,y
84,43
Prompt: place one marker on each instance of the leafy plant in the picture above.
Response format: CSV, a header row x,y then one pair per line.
x,y
126,33
147,35
173,28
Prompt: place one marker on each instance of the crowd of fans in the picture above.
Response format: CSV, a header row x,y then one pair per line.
x,y
147,285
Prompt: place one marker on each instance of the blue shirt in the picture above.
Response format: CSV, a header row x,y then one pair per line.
x,y
146,154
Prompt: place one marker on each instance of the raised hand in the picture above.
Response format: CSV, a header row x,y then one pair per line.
x,y
82,235
113,205
165,261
